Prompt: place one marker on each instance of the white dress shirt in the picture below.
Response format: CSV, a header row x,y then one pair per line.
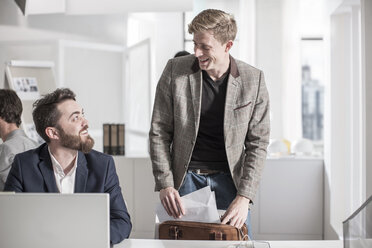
x,y
65,183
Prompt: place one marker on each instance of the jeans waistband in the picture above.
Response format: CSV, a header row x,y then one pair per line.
x,y
204,172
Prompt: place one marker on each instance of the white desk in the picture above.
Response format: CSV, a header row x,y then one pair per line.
x,y
155,243
289,202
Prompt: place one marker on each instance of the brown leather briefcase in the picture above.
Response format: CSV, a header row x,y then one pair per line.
x,y
190,230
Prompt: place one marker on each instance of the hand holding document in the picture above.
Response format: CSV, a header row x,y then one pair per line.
x,y
200,206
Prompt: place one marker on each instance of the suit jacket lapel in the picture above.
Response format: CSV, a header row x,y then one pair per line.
x,y
233,86
81,174
46,169
195,81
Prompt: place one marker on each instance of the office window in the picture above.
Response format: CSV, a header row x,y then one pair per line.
x,y
312,63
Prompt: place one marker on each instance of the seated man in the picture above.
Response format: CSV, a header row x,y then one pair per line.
x,y
15,140
66,163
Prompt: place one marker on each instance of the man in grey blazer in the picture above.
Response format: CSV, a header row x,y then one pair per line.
x,y
14,138
210,123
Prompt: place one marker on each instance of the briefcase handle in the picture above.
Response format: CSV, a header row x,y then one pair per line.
x,y
243,235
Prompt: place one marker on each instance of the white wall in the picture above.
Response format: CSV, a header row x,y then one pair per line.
x,y
100,28
38,37
164,29
291,101
168,39
269,57
346,140
16,27
329,232
340,145
367,82
165,32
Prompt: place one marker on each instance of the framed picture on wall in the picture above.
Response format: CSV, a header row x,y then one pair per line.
x,y
29,79
26,88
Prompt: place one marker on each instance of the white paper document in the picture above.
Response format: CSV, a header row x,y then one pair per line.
x,y
199,205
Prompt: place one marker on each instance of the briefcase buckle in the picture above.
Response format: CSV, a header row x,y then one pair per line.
x,y
174,232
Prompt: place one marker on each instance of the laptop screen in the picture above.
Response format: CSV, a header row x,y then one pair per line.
x,y
38,220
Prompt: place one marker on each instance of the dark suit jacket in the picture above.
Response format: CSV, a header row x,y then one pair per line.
x,y
32,171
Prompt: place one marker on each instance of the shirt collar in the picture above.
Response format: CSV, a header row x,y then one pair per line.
x,y
14,133
233,67
57,166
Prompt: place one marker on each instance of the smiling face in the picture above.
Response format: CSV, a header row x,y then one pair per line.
x,y
213,56
73,127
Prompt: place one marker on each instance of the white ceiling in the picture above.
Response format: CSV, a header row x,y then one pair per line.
x,y
100,7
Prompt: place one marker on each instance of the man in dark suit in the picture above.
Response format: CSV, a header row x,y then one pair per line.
x,y
66,163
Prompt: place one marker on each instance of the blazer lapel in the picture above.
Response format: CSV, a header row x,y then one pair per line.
x,y
81,174
195,81
46,169
233,86
231,95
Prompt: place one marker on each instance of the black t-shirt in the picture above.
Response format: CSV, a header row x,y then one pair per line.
x,y
209,151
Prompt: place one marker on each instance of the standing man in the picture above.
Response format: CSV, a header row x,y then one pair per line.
x,y
66,163
14,138
210,123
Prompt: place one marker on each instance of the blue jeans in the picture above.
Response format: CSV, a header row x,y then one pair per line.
x,y
221,183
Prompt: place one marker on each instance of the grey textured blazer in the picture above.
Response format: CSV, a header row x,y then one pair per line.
x,y
176,117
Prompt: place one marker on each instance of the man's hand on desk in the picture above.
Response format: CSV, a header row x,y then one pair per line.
x,y
171,201
237,212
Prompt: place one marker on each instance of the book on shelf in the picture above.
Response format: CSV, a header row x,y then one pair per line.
x,y
106,139
114,139
121,139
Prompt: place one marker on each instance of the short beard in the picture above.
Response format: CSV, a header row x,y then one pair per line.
x,y
74,141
